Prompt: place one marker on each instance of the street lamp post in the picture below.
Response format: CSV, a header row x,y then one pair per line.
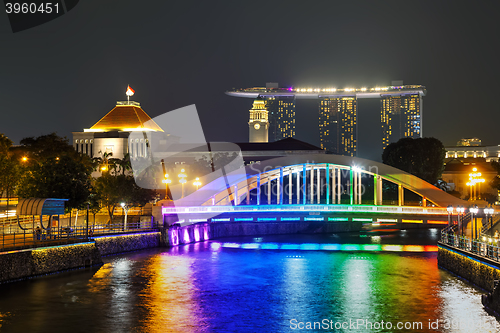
x,y
488,212
450,212
474,180
474,211
182,179
125,209
460,212
166,181
197,183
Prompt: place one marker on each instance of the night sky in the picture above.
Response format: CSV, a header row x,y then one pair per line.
x,y
65,75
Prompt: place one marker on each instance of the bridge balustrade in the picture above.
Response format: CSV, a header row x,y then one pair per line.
x,y
490,249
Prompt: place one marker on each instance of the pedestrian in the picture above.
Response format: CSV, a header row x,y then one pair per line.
x,y
38,232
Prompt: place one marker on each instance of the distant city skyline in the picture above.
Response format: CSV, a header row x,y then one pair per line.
x,y
61,76
401,113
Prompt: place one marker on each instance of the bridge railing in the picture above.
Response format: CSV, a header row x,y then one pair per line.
x,y
67,235
488,249
317,208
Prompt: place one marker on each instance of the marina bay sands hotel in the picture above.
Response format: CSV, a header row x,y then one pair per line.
x,y
272,116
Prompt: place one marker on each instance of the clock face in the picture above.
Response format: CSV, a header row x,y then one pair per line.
x,y
256,126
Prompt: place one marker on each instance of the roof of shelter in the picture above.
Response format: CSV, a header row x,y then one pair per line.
x,y
40,206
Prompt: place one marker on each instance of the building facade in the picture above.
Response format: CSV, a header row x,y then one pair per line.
x,y
338,125
401,117
457,176
401,112
281,117
111,133
473,153
258,124
469,142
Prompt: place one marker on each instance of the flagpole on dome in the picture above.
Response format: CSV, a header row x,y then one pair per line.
x,y
130,92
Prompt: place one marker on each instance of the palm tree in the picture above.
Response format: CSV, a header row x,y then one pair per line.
x,y
103,163
123,164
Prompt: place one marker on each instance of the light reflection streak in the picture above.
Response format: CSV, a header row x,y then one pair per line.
x,y
169,296
215,246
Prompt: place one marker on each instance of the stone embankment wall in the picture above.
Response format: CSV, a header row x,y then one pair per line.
x,y
17,265
125,243
33,262
477,270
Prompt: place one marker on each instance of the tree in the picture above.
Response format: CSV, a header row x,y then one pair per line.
x,y
62,177
10,169
10,173
103,163
121,165
5,144
55,170
422,157
114,189
495,182
47,146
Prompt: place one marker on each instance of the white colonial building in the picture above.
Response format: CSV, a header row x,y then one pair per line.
x,y
111,133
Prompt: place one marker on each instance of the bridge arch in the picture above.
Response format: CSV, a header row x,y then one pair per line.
x,y
315,179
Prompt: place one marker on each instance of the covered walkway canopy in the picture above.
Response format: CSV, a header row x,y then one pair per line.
x,y
39,207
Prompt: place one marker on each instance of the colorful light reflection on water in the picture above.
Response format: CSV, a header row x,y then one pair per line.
x,y
251,285
326,247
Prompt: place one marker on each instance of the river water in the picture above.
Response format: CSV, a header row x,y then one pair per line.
x,y
289,283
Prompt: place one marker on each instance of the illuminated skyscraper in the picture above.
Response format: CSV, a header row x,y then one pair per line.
x,y
401,116
281,117
338,125
401,112
258,124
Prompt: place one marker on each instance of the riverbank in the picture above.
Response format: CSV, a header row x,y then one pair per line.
x,y
475,269
28,263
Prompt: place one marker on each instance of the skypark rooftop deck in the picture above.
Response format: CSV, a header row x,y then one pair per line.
x,y
314,93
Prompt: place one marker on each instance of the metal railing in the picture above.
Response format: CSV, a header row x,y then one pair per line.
x,y
489,249
490,223
65,235
312,207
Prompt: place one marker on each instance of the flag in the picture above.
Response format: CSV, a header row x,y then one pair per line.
x,y
130,91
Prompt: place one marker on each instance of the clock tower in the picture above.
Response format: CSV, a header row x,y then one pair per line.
x,y
258,123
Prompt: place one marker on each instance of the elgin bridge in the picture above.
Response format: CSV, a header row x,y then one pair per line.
x,y
315,193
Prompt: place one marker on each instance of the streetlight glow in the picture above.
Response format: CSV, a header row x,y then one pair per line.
x,y
197,183
182,180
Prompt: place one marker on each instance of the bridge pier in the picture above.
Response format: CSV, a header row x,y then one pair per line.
x,y
318,186
311,173
339,186
378,190
401,199
327,175
304,176
258,190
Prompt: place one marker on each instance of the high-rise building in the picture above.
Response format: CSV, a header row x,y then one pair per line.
x,y
281,117
258,124
401,112
338,125
401,117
